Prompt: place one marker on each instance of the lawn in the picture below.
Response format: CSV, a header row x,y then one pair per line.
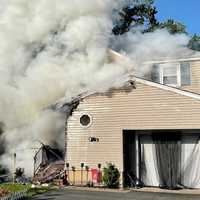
x,y
11,188
15,187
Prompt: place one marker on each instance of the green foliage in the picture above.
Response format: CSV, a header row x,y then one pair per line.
x,y
30,191
143,13
19,172
111,176
39,190
194,43
140,14
14,187
173,27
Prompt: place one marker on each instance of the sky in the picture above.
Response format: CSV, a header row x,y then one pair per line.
x,y
185,11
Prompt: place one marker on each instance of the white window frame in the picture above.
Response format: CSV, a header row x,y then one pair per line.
x,y
178,74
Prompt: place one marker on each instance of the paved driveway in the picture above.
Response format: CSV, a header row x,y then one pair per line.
x,y
67,194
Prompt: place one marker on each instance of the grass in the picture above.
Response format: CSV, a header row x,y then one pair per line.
x,y
40,190
30,191
14,187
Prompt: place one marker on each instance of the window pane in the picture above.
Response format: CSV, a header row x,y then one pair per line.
x,y
170,80
185,73
170,71
155,74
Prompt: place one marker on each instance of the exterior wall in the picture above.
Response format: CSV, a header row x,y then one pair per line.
x,y
144,108
195,78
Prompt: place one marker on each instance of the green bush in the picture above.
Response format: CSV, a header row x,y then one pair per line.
x,y
111,176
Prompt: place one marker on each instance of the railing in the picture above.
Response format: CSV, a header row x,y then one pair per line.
x,y
15,196
84,177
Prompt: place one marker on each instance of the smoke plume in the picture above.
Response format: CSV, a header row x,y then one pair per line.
x,y
51,49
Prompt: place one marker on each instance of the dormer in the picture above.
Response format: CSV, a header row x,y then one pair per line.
x,y
183,74
176,74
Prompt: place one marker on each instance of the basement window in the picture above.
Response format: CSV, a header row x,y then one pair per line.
x,y
85,120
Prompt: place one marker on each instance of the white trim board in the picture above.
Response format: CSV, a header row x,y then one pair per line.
x,y
169,88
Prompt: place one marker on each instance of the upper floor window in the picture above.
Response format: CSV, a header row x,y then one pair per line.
x,y
172,74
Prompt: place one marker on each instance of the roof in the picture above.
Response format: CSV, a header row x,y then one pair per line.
x,y
188,55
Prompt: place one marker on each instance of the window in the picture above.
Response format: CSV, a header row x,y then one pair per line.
x,y
85,120
172,74
185,73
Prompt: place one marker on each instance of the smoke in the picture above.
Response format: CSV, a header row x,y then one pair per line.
x,y
156,46
51,49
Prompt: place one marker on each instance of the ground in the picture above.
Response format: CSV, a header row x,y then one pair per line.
x,y
66,194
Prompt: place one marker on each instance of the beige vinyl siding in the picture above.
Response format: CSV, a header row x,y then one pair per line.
x,y
195,78
144,108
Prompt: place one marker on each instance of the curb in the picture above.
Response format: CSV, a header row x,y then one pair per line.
x,y
195,192
96,189
163,191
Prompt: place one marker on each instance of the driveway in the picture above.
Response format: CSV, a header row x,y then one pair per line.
x,y
67,194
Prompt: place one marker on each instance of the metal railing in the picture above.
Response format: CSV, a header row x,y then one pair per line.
x,y
16,196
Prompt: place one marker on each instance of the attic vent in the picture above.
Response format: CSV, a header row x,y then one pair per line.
x,y
85,120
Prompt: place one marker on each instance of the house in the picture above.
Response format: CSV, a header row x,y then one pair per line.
x,y
149,128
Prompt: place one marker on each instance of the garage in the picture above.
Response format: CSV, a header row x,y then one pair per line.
x,y
162,158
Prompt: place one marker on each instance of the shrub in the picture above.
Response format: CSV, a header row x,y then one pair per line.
x,y
19,172
111,176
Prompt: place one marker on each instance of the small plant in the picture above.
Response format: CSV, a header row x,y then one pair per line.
x,y
111,176
19,172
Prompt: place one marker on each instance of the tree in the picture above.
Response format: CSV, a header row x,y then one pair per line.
x,y
173,27
194,43
143,13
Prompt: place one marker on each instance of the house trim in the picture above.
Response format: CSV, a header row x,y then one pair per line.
x,y
168,88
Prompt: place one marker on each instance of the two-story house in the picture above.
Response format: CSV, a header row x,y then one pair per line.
x,y
150,128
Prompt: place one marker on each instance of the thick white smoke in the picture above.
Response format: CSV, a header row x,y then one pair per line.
x,y
51,49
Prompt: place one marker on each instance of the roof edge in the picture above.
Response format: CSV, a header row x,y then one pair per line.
x,y
169,88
